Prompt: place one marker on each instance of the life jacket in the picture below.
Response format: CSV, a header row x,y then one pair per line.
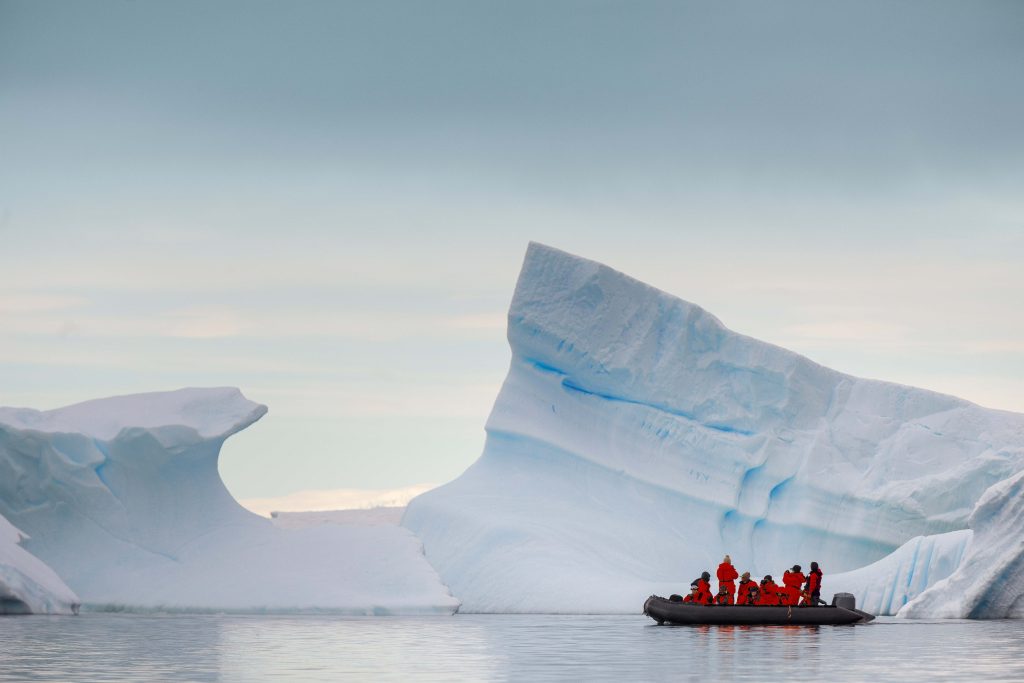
x,y
743,592
723,599
814,581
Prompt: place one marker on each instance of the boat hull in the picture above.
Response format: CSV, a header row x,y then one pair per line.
x,y
664,611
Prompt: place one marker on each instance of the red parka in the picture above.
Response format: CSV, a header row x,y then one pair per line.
x,y
792,582
726,575
743,592
769,594
723,599
704,595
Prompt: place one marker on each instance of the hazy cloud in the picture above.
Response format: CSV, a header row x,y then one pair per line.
x,y
326,203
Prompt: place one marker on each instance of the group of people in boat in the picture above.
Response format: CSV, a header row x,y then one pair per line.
x,y
797,588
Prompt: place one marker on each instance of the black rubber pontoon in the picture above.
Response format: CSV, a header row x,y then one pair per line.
x,y
662,611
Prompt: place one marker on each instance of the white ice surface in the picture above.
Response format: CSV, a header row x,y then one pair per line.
x,y
27,585
636,440
122,498
211,413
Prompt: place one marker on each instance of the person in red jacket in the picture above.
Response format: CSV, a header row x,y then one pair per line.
x,y
692,597
723,597
726,576
812,589
769,592
704,594
753,594
784,588
792,580
743,590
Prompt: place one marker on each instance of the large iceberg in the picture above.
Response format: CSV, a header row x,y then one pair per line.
x,y
636,440
122,498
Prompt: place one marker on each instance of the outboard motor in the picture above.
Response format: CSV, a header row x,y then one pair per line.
x,y
844,600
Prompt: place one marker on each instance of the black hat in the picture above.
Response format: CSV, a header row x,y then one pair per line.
x,y
693,583
767,577
796,567
705,576
814,565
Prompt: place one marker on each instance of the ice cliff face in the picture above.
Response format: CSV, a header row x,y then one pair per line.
x,y
27,586
636,440
122,498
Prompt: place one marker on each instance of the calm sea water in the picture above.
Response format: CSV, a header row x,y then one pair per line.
x,y
123,647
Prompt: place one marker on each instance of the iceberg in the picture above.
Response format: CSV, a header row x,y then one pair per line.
x,y
121,497
989,580
27,585
885,586
636,440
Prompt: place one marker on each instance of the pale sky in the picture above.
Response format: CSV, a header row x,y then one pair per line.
x,y
326,204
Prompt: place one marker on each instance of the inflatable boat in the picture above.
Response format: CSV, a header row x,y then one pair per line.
x,y
843,610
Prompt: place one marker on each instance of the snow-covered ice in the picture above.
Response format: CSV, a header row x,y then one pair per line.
x,y
636,440
27,586
122,498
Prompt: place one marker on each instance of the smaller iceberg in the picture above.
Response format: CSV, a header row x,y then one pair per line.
x,y
27,585
885,586
122,498
988,581
975,573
